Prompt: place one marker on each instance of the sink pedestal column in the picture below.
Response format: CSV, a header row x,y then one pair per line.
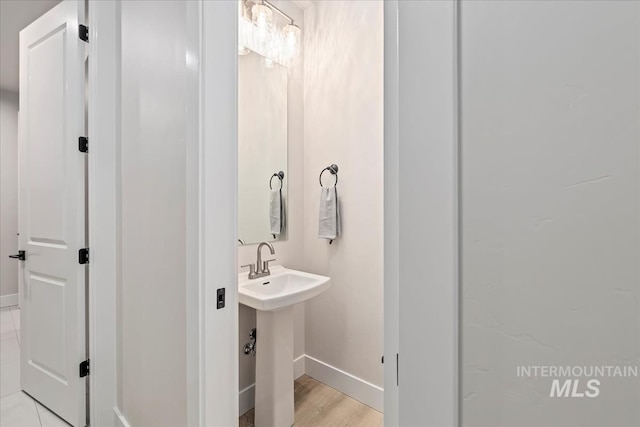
x,y
274,368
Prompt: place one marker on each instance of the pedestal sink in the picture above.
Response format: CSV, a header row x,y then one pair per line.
x,y
273,297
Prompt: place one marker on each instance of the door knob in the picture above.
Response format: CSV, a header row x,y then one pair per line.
x,y
19,256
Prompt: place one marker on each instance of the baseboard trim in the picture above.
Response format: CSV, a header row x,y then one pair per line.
x,y
247,399
121,421
357,388
8,300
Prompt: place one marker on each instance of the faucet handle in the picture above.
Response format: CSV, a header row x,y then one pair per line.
x,y
265,265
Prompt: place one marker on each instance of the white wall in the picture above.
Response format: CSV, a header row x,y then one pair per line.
x,y
157,138
550,133
8,196
343,124
289,252
157,83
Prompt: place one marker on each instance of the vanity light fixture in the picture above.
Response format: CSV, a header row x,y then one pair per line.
x,y
258,32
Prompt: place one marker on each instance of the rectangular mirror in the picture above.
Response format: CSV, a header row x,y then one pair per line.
x,y
262,149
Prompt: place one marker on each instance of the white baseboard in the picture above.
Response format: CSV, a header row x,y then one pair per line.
x,y
120,419
247,399
247,395
8,300
357,388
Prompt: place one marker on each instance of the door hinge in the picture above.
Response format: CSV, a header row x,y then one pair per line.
x,y
84,368
221,298
83,33
83,256
83,144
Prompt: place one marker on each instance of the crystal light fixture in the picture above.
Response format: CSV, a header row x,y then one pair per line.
x,y
259,32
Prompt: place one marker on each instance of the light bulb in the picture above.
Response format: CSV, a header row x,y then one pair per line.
x,y
291,40
262,19
262,16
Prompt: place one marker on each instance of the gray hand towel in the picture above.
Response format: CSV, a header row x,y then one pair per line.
x,y
329,216
276,213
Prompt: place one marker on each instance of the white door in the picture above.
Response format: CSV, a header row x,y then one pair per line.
x,y
52,210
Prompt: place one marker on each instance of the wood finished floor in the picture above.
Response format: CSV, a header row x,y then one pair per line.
x,y
318,405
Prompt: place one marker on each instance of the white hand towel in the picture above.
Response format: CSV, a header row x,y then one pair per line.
x,y
276,213
329,216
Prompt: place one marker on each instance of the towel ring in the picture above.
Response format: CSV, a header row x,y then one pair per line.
x,y
334,171
280,176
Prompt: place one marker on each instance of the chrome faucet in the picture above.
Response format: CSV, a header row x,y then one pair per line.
x,y
261,268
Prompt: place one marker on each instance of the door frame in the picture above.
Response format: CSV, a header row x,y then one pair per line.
x,y
213,144
423,147
219,127
103,208
421,221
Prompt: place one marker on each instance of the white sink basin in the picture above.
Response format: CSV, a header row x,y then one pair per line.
x,y
282,288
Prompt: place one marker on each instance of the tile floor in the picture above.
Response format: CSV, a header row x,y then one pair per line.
x,y
17,409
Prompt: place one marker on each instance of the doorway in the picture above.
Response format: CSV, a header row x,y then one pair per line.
x,y
212,332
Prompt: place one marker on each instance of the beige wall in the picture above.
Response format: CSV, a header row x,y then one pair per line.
x,y
8,192
343,124
335,116
550,100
